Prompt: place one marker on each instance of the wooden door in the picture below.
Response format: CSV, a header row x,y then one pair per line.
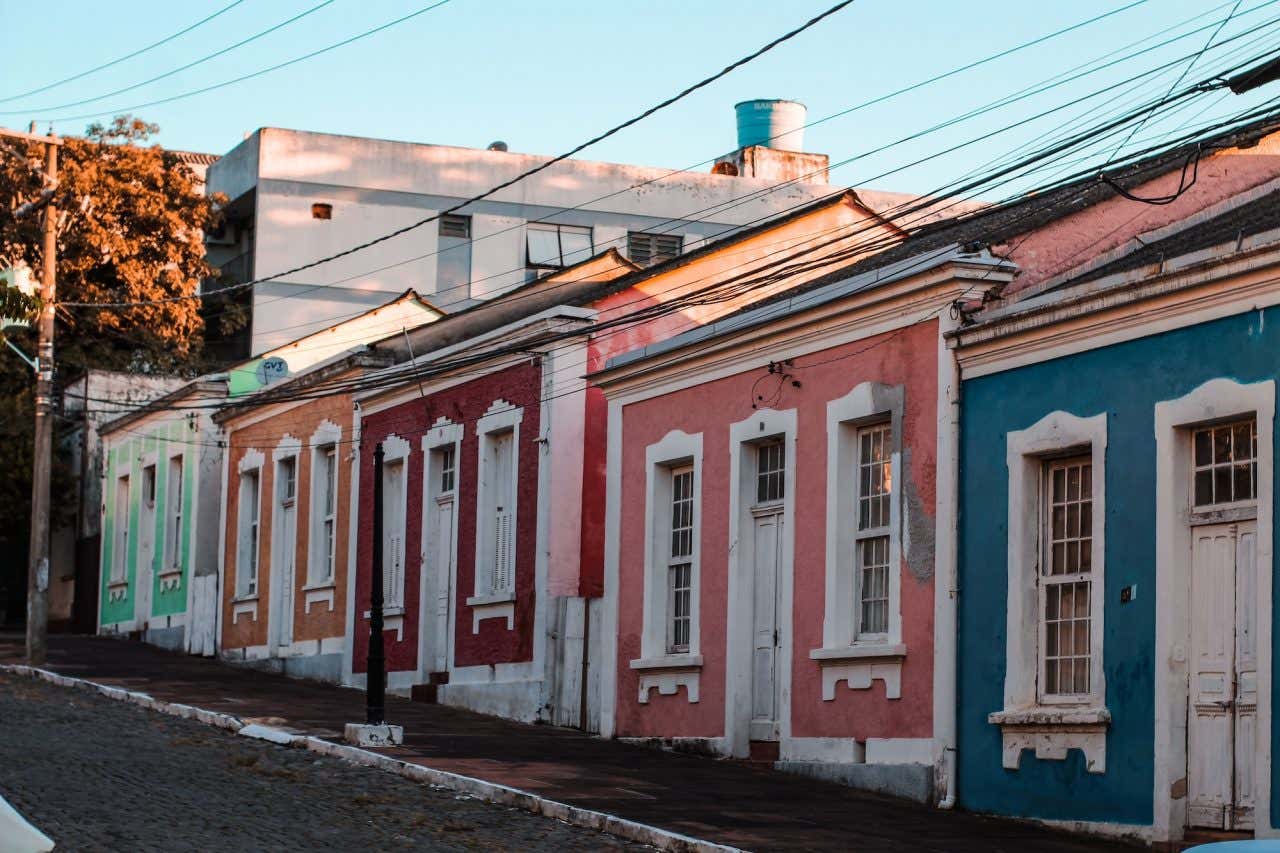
x,y
1222,711
444,571
764,656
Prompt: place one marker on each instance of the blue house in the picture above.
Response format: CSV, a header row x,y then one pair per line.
x,y
1115,561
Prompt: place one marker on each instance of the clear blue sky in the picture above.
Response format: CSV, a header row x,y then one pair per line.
x,y
546,75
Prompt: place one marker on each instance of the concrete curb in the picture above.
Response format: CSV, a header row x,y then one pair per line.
x,y
480,789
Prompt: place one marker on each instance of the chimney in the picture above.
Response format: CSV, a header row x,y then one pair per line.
x,y
770,143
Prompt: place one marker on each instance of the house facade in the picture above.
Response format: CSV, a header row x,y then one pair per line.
x,y
161,485
773,509
283,554
1117,517
500,614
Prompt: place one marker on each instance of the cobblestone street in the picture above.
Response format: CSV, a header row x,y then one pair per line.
x,y
96,774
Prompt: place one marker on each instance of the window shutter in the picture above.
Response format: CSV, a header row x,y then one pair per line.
x,y
638,248
452,225
649,249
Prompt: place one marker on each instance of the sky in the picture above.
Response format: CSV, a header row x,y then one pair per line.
x,y
544,76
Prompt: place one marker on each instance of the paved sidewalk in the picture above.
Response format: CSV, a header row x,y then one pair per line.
x,y
721,801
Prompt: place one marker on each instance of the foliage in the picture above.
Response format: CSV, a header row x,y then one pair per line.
x,y
130,217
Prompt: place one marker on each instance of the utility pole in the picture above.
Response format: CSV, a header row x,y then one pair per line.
x,y
42,457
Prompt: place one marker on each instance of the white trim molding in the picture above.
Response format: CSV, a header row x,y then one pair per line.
x,y
1026,722
1215,400
847,654
501,416
669,673
743,435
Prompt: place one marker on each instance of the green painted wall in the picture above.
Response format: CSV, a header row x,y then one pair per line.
x,y
164,441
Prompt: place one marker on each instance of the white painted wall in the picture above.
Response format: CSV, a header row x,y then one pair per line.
x,y
376,186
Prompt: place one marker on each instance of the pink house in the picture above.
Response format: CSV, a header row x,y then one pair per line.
x,y
494,470
773,518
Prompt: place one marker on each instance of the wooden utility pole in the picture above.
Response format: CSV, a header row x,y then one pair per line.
x,y
42,458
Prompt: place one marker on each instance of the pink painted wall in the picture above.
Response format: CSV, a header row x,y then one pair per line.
x,y
464,404
908,359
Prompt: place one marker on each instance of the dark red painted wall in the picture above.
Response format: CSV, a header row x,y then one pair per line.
x,y
520,385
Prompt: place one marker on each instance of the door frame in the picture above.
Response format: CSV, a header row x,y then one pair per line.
x,y
1216,400
282,596
743,435
443,434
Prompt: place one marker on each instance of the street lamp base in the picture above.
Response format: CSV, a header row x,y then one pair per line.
x,y
362,734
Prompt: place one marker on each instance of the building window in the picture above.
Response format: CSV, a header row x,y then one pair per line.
x,y
321,210
393,532
499,450
680,561
448,468
173,512
554,247
324,519
288,480
119,567
1226,463
649,249
149,484
771,468
453,259
247,538
1065,584
871,539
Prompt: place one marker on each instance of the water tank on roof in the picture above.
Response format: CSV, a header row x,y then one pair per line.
x,y
772,123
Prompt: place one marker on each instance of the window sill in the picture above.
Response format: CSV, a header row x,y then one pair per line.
x,y
321,585
117,590
245,599
859,651
387,612
668,673
860,664
1042,716
491,598
1052,732
668,662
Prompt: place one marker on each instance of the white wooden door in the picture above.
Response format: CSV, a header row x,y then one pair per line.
x,y
764,653
286,549
1222,710
444,568
146,556
504,520
393,533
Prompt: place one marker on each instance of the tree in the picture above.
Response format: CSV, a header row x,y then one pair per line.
x,y
130,222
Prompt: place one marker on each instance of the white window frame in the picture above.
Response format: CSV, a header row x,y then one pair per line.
x,y
1051,728
247,576
558,229
322,556
501,417
174,516
395,450
120,547
848,654
676,561
658,665
1045,581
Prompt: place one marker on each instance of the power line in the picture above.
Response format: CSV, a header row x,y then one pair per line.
x,y
173,71
124,58
706,81
260,72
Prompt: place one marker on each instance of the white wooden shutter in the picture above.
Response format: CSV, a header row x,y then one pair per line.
x,y
503,519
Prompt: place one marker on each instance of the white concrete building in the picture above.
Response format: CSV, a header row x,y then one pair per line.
x,y
296,196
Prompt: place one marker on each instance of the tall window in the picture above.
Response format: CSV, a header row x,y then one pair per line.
x,y
500,447
173,514
771,467
149,485
247,539
554,247
1226,463
1065,583
448,468
649,249
119,569
324,508
453,260
393,544
871,537
680,561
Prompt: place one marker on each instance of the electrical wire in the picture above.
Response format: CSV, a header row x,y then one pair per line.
x,y
124,58
178,70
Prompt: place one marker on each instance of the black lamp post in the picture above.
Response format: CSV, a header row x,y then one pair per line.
x,y
376,692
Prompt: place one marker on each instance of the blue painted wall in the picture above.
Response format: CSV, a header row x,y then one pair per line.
x,y
1125,381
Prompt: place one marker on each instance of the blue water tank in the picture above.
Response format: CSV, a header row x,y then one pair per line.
x,y
771,122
